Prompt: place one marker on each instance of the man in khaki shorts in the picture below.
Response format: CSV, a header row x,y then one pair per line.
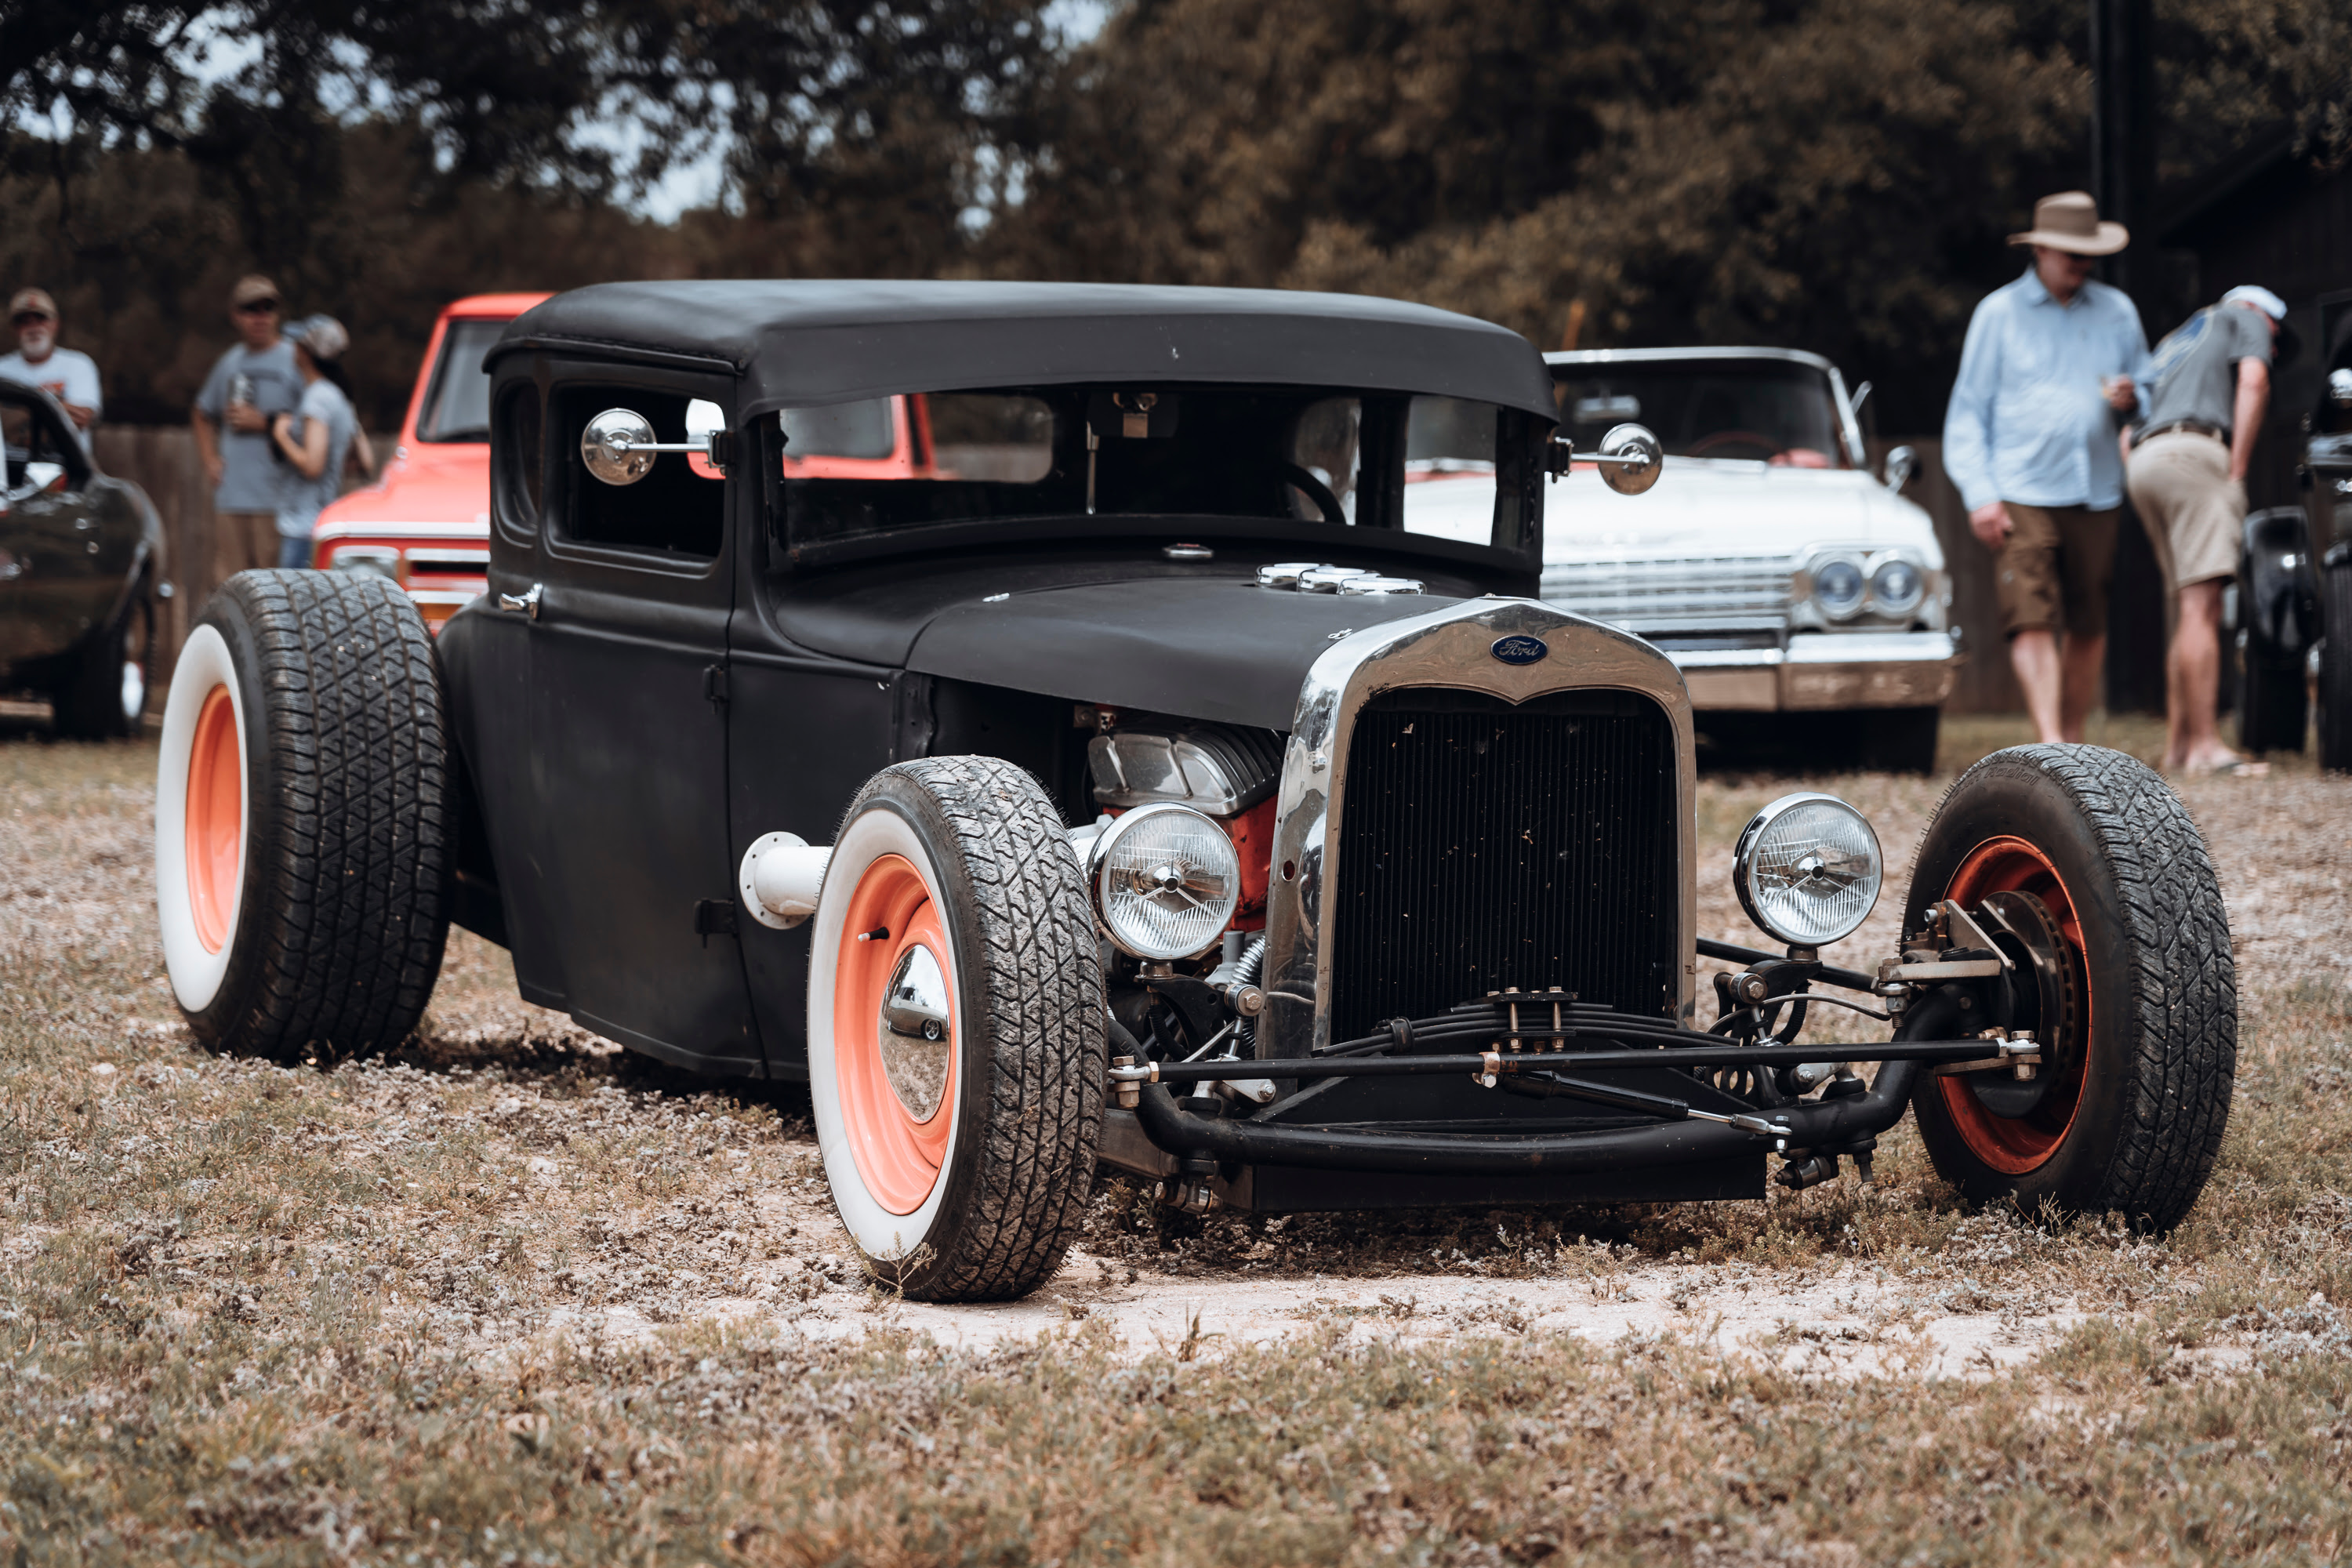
x,y
2208,387
2029,439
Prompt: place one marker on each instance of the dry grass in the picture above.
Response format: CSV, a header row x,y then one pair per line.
x,y
514,1297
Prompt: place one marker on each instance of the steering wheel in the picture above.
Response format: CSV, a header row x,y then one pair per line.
x,y
1316,490
1726,438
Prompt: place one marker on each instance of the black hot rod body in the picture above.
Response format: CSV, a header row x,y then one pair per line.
x,y
1167,768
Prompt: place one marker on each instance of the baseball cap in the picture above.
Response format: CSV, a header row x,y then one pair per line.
x,y
322,335
253,288
2259,297
34,300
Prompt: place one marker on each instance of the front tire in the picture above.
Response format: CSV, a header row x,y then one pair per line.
x,y
956,1030
2141,1084
302,832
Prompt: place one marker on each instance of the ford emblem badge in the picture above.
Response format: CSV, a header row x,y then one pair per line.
x,y
1521,649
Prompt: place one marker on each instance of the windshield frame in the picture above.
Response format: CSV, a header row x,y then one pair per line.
x,y
1563,365
1518,469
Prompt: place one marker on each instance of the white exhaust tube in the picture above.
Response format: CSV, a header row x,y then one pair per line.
x,y
781,877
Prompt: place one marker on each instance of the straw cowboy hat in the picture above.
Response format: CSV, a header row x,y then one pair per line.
x,y
2070,221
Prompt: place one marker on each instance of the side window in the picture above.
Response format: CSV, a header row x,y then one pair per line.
x,y
674,511
521,449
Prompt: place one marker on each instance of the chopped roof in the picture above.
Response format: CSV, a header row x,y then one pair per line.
x,y
799,343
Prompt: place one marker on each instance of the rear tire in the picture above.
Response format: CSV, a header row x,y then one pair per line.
x,y
103,696
302,833
2140,1090
2336,669
959,1158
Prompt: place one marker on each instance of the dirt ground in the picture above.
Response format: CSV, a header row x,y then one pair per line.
x,y
513,1203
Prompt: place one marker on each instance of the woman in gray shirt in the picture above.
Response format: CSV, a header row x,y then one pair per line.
x,y
316,437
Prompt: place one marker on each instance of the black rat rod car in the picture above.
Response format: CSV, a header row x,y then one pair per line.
x,y
1380,885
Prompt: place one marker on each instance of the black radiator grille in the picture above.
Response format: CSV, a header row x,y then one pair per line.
x,y
1484,847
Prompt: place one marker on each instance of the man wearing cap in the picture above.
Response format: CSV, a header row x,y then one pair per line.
x,y
2208,387
249,385
2030,439
66,375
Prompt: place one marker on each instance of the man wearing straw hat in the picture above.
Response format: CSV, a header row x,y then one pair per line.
x,y
2029,438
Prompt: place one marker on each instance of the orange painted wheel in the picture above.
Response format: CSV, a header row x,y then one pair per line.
x,y
303,819
216,819
2015,1145
895,1054
956,1048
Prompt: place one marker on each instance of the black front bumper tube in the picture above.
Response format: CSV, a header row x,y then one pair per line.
x,y
1811,1124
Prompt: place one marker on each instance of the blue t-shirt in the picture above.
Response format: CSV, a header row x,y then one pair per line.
x,y
249,475
299,499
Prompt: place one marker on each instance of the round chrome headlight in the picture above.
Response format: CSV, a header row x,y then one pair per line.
x,y
1166,880
1838,587
1807,870
1897,586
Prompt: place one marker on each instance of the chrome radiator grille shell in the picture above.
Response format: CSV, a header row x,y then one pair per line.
x,y
1448,649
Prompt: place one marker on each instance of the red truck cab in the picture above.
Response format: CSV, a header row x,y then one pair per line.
x,y
426,522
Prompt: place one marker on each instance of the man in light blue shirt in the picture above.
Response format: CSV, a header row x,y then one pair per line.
x,y
2029,439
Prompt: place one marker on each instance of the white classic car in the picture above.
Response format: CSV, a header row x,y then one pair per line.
x,y
1772,567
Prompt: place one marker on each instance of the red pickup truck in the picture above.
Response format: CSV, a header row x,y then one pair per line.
x,y
426,522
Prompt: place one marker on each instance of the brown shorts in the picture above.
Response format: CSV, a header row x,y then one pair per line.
x,y
2193,511
2052,574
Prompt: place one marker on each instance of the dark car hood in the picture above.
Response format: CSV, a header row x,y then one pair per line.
x,y
1219,649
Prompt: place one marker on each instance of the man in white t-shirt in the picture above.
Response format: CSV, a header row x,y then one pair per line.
x,y
66,374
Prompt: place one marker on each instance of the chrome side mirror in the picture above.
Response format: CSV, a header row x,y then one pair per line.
x,y
618,445
1629,456
1902,463
1631,459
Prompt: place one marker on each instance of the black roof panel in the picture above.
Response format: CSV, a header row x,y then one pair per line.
x,y
801,343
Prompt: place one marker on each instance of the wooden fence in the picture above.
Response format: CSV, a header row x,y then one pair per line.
x,y
162,460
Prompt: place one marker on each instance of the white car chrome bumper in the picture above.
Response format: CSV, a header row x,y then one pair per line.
x,y
1824,670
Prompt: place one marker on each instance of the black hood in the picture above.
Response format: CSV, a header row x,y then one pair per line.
x,y
1217,648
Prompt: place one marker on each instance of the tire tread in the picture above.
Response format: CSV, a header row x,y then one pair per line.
x,y
354,866
2180,1007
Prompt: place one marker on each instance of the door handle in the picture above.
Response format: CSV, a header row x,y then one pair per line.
x,y
523,603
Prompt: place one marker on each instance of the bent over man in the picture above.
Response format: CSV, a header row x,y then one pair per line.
x,y
2029,439
2209,387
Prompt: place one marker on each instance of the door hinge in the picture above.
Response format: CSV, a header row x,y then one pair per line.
x,y
714,683
714,916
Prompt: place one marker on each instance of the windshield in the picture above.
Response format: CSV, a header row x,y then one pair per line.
x,y
1290,454
1772,411
458,393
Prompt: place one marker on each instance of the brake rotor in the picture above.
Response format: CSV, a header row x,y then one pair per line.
x,y
2046,997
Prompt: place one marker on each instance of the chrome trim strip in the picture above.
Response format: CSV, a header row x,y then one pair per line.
x,y
473,530
1641,357
1448,648
1871,647
443,596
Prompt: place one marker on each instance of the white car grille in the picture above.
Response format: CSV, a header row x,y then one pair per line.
x,y
1681,588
